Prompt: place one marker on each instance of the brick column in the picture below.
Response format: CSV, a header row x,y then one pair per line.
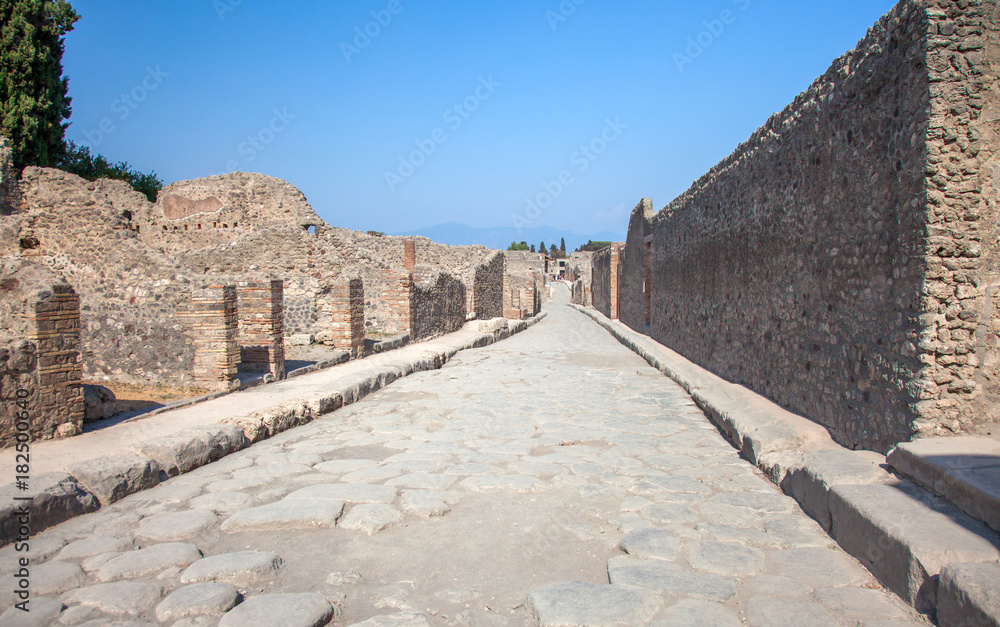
x,y
214,325
348,308
260,306
616,279
409,255
56,319
401,302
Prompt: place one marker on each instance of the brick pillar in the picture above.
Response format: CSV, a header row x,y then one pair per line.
x,y
56,319
348,309
260,306
530,297
616,279
214,325
402,303
409,255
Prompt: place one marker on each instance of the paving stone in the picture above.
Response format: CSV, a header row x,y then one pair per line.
x,y
771,503
94,546
349,493
634,503
428,503
726,533
289,457
509,483
337,578
861,604
423,481
175,526
819,568
371,475
370,518
221,502
42,611
581,603
239,569
171,493
416,465
724,558
55,577
198,599
652,544
123,598
403,619
149,560
696,613
469,469
797,531
286,514
663,513
537,469
663,576
767,612
307,609
775,586
93,563
343,466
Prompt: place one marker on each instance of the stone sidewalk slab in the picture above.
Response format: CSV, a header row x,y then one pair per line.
x,y
77,475
963,469
906,536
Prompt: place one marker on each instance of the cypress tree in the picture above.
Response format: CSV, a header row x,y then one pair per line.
x,y
33,100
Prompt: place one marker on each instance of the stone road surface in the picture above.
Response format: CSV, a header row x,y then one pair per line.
x,y
552,477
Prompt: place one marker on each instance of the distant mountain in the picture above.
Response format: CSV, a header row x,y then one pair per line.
x,y
500,237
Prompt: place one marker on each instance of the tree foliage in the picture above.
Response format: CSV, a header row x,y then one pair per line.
x,y
517,246
79,161
592,246
33,100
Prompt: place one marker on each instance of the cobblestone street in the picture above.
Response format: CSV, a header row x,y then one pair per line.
x,y
512,485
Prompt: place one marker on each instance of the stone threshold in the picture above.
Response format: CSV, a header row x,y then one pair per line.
x,y
936,557
78,475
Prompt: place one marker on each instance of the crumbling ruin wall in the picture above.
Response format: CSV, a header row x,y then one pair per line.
x,y
579,271
835,262
8,179
439,303
488,287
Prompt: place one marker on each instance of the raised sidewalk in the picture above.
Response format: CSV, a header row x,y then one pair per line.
x,y
78,475
935,556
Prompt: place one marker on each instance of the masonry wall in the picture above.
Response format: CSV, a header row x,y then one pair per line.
x,y
488,287
606,275
439,303
635,298
834,262
579,271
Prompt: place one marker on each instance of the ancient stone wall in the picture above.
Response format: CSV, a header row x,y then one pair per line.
x,y
439,303
605,280
579,271
634,298
8,179
488,288
835,262
348,317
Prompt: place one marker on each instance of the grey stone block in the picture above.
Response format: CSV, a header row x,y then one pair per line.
x,y
196,600
307,609
969,594
581,603
183,452
905,536
114,478
53,498
809,480
239,569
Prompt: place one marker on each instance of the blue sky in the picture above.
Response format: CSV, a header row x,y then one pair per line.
x,y
397,115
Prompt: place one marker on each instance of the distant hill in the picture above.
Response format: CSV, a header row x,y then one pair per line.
x,y
456,234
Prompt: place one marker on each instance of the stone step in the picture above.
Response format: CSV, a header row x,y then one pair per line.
x,y
965,470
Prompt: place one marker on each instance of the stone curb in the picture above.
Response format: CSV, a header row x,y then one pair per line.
x,y
58,496
906,536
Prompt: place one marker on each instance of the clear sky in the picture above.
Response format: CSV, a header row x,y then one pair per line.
x,y
402,114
